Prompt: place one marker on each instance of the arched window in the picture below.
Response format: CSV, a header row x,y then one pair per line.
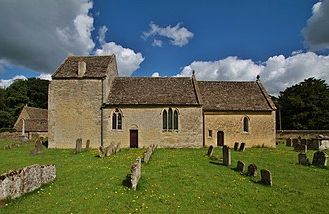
x,y
175,120
164,119
114,121
245,124
170,118
117,119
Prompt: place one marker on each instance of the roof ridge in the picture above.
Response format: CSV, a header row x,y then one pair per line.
x,y
265,94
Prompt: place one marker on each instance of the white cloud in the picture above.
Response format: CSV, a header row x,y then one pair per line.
x,y
40,34
44,76
277,72
156,74
5,83
316,32
157,43
178,36
128,60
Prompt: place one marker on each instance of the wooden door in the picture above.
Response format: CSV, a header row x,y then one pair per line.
x,y
133,138
220,138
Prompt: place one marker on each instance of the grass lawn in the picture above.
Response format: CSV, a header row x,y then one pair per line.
x,y
174,181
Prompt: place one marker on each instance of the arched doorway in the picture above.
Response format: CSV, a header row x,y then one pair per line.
x,y
220,138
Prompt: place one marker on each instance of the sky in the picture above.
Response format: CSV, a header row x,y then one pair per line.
x,y
283,41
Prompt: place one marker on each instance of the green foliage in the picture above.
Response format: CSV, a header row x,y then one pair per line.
x,y
174,181
305,105
32,92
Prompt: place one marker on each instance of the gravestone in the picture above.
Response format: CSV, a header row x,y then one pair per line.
x,y
294,142
252,170
101,151
320,159
210,151
78,146
302,159
240,166
242,147
37,148
226,155
88,144
117,148
136,173
236,146
148,153
109,150
266,177
288,142
303,141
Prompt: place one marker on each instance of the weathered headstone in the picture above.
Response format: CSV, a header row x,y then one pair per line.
x,y
210,151
266,177
242,147
240,166
320,159
302,159
88,144
117,148
148,153
236,146
288,142
136,173
226,155
109,150
37,147
252,170
101,151
78,146
294,142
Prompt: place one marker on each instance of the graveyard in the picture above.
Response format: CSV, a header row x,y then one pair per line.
x,y
173,180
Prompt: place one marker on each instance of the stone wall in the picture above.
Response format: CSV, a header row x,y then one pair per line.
x,y
12,136
16,183
148,122
305,134
261,128
74,112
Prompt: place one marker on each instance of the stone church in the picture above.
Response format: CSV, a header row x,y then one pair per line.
x,y
88,100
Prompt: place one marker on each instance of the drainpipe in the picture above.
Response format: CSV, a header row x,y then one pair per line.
x,y
102,140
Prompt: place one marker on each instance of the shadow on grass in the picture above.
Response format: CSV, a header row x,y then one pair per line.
x,y
126,182
217,163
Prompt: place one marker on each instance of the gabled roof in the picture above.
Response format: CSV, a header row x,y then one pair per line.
x,y
35,119
33,125
152,91
36,113
233,96
96,67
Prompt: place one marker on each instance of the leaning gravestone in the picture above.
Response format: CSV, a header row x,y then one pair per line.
x,y
302,159
266,177
236,146
78,146
240,166
101,151
37,147
242,147
226,155
294,142
136,173
288,142
320,159
210,151
252,170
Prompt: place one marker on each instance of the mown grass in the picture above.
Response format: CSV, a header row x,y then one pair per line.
x,y
174,181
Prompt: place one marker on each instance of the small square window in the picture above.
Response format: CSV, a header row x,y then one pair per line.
x,y
209,133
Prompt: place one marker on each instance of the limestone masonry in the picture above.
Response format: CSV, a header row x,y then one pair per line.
x,y
88,100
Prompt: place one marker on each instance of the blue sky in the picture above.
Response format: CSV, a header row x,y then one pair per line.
x,y
283,41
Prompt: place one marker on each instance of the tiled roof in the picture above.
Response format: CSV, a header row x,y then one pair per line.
x,y
153,91
36,113
96,67
226,95
33,125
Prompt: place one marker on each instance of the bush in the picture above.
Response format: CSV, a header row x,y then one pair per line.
x,y
7,130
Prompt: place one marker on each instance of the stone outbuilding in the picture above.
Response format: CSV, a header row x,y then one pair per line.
x,y
32,122
87,99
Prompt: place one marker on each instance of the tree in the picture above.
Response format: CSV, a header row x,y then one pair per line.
x,y
32,92
305,105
